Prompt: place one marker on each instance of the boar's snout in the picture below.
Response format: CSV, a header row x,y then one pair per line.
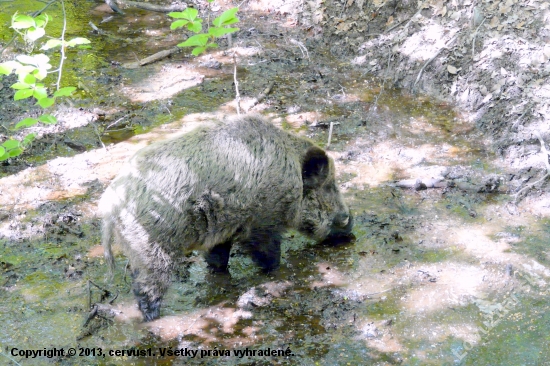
x,y
340,231
342,220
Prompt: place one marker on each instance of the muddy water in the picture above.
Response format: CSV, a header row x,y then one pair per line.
x,y
451,275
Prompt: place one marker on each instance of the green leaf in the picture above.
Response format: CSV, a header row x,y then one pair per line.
x,y
46,102
20,86
42,20
42,60
29,79
23,71
23,94
40,74
15,152
47,119
25,59
218,32
6,156
195,26
189,14
35,33
52,43
176,14
21,21
7,67
178,24
2,152
40,93
10,144
28,139
228,17
64,92
27,122
77,41
198,50
196,40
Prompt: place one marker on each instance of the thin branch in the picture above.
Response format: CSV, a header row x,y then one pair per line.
x,y
238,96
330,133
115,122
58,84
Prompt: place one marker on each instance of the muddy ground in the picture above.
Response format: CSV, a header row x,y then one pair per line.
x,y
437,108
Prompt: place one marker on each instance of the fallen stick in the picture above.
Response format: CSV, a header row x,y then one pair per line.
x,y
151,7
262,95
153,58
421,184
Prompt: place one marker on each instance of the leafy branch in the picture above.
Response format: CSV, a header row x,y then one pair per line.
x,y
202,41
31,70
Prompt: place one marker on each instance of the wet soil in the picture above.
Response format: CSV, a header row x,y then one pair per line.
x,y
448,273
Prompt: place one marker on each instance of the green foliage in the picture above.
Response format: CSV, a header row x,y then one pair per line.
x,y
30,28
188,18
202,41
30,71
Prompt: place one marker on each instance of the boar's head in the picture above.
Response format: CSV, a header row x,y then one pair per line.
x,y
325,216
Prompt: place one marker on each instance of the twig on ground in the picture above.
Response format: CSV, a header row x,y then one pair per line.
x,y
474,38
242,2
301,47
152,7
150,59
115,122
415,14
91,315
99,136
9,358
262,95
433,58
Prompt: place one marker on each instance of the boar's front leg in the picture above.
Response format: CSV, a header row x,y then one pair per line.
x,y
149,286
218,257
264,244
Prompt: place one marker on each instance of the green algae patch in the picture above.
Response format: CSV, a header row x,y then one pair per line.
x,y
40,285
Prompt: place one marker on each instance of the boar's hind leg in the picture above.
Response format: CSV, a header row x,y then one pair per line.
x,y
265,248
218,257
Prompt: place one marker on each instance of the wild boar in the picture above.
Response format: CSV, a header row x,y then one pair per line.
x,y
241,180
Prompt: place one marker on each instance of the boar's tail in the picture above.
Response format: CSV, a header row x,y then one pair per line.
x,y
106,239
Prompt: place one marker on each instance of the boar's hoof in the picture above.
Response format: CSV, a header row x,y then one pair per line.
x,y
149,308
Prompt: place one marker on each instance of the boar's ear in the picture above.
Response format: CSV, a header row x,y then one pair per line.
x,y
315,168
